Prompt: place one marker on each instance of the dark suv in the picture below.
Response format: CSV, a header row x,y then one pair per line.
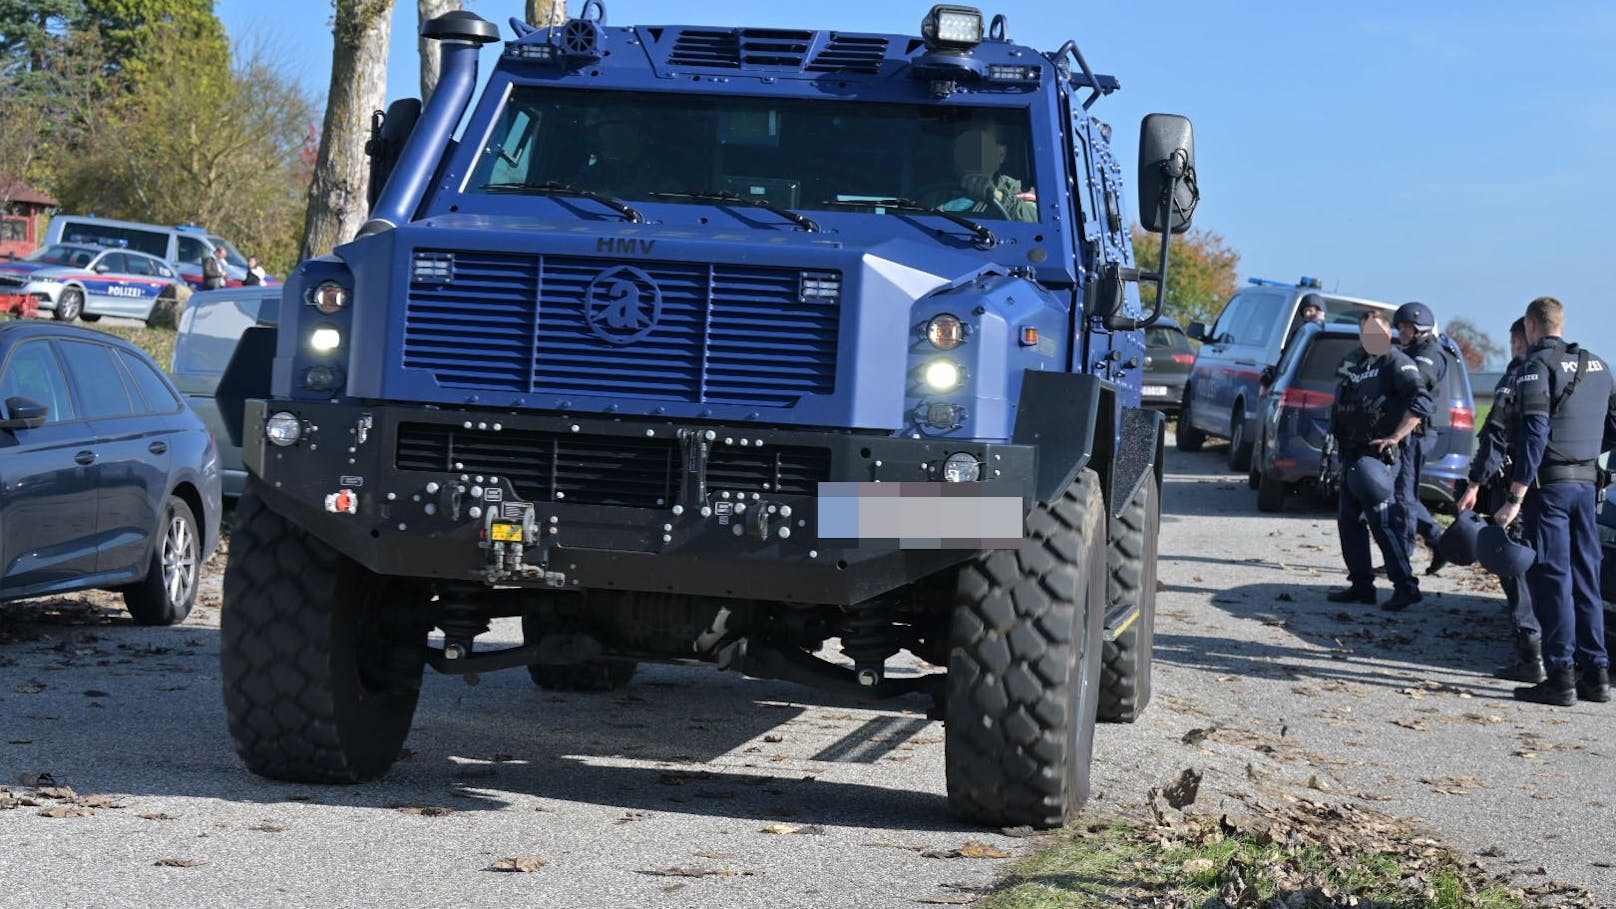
x,y
1294,421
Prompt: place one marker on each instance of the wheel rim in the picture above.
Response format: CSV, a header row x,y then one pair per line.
x,y
70,305
179,559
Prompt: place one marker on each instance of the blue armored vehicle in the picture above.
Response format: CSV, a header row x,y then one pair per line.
x,y
780,351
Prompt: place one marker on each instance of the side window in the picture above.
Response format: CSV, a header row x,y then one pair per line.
x,y
158,396
34,372
116,263
512,147
1224,327
95,373
1257,318
191,250
139,265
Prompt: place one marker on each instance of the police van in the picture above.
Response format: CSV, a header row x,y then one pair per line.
x,y
1222,397
185,245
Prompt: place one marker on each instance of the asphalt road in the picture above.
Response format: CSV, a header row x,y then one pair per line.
x,y
696,788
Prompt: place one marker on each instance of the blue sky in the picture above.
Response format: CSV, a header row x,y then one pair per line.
x,y
1451,152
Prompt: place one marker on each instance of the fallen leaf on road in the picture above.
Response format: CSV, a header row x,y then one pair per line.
x,y
267,828
429,811
97,801
1182,790
789,829
713,854
178,863
66,811
951,899
1198,865
774,739
158,816
1416,725
1161,587
675,871
1485,719
1197,736
525,864
972,849
1313,782
58,792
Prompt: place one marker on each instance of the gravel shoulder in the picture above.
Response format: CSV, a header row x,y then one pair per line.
x,y
696,788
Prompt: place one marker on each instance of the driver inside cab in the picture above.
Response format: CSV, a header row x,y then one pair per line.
x,y
979,153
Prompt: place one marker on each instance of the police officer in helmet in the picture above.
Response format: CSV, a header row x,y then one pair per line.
x,y
1375,391
1416,326
1567,404
1488,486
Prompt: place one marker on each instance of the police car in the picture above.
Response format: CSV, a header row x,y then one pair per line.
x,y
79,280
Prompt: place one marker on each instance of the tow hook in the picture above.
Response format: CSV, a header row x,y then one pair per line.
x,y
509,530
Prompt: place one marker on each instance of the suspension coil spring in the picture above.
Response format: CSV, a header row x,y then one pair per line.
x,y
869,638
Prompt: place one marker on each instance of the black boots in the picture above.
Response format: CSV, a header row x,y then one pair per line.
x,y
1401,600
1355,594
1528,667
1559,689
1594,685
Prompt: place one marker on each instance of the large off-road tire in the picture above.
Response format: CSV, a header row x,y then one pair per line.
x,y
1186,436
1131,559
168,591
593,675
68,305
1239,441
1271,494
1024,667
320,681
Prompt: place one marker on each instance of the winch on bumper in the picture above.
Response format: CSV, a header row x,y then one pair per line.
x,y
634,504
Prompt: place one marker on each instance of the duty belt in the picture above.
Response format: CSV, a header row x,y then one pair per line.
x,y
1583,472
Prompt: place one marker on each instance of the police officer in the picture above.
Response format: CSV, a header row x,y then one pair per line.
x,y
1416,327
982,187
1567,403
1374,393
1489,485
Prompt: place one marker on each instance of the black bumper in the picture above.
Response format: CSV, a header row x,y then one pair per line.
x,y
631,504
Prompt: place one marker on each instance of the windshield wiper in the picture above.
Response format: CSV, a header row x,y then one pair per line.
x,y
985,238
802,221
552,187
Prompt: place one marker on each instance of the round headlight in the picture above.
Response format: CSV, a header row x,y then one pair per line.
x,y
283,428
945,332
962,467
943,375
325,339
329,297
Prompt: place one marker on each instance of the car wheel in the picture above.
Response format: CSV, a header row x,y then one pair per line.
x,y
1189,439
1271,494
165,596
321,658
1125,670
69,305
1239,442
1024,667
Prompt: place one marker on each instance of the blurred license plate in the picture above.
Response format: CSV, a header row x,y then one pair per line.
x,y
1159,391
505,533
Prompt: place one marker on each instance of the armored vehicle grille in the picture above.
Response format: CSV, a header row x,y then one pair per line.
x,y
779,49
711,334
604,470
850,54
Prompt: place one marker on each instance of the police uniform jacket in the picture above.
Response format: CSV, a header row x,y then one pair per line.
x,y
1560,431
1371,399
1432,365
1499,430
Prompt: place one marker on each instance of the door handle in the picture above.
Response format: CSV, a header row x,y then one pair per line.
x,y
157,447
85,457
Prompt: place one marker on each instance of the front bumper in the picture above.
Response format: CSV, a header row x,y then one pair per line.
x,y
633,504
44,293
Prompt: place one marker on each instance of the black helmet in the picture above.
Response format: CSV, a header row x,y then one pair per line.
x,y
1502,554
1370,480
1458,543
1417,314
1313,300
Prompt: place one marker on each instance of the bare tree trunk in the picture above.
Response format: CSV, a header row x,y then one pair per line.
x,y
337,206
544,13
431,56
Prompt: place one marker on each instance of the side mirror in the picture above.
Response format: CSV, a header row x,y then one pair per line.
x,y
26,413
1268,376
1167,189
102,268
1197,332
388,133
1106,299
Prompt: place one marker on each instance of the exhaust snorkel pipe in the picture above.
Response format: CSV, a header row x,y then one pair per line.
x,y
461,36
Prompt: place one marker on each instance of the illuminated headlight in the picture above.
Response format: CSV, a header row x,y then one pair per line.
x,y
329,297
283,428
945,332
943,375
962,468
952,26
325,339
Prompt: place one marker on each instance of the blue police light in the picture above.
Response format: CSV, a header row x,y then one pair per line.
x,y
952,28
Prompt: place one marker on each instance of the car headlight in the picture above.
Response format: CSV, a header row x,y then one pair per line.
x,y
329,297
283,428
962,467
325,339
945,332
943,375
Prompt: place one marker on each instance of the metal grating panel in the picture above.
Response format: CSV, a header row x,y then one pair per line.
x,y
850,54
702,47
603,470
725,334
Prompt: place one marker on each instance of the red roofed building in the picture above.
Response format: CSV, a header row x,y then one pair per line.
x,y
20,209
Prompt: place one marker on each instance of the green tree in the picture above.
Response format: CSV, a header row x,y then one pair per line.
x,y
31,35
1201,273
133,29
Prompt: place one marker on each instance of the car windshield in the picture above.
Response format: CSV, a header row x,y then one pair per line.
x,y
792,154
1324,357
231,254
64,255
1161,336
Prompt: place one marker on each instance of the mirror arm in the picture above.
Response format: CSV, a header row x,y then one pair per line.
x,y
1123,323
